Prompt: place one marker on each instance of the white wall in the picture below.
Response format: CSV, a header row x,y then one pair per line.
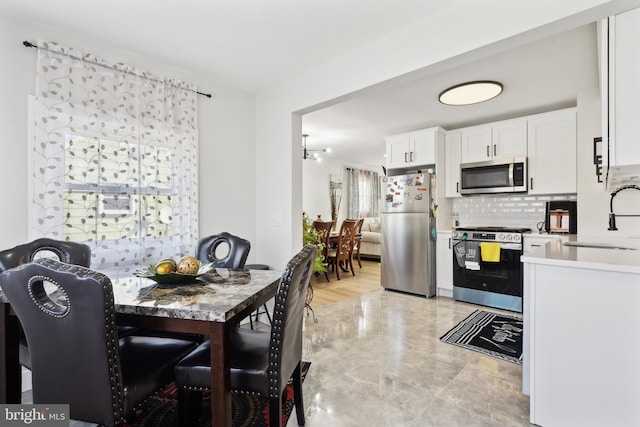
x,y
430,44
315,186
226,122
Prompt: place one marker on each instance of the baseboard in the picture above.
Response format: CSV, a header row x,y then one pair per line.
x,y
448,293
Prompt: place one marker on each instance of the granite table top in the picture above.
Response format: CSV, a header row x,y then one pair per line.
x,y
215,296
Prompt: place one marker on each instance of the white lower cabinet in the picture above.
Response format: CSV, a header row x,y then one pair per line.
x,y
444,264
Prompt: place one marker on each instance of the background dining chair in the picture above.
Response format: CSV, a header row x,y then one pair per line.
x,y
69,252
357,239
68,315
261,362
324,229
227,251
343,251
235,257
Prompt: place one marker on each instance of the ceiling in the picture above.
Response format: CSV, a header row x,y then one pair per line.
x,y
253,45
542,76
245,44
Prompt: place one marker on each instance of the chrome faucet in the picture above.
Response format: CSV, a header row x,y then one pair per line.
x,y
612,216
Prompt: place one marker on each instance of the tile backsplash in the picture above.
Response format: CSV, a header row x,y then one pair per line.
x,y
519,210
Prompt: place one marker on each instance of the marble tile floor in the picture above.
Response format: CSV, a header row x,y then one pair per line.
x,y
376,360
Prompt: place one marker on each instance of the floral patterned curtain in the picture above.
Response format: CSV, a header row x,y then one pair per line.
x,y
114,160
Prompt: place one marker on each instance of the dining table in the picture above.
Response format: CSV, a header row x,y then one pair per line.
x,y
210,306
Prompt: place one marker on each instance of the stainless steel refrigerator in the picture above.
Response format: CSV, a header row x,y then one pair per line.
x,y
408,254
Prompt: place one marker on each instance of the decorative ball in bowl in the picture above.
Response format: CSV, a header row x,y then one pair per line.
x,y
168,271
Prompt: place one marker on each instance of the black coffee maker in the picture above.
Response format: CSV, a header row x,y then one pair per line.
x,y
561,217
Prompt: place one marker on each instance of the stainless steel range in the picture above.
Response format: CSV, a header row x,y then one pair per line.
x,y
486,266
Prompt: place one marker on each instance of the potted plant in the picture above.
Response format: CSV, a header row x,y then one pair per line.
x,y
311,236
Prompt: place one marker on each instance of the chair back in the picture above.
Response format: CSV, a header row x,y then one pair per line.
x,y
324,229
358,232
236,257
68,252
285,350
346,238
69,319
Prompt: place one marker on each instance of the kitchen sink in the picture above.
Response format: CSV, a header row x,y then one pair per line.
x,y
598,245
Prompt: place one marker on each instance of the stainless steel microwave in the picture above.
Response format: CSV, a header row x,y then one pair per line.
x,y
494,176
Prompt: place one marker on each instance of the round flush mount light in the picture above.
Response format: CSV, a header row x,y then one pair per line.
x,y
470,93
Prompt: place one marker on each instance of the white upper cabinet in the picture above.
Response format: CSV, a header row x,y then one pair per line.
x,y
398,149
475,144
552,152
494,141
621,98
413,148
509,138
452,163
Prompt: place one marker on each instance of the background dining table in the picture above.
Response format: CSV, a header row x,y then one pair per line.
x,y
210,306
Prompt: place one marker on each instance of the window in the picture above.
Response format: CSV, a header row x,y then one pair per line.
x,y
114,160
363,193
106,197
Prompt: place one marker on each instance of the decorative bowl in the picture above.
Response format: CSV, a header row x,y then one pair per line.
x,y
173,278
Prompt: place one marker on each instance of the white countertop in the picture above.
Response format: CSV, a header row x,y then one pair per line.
x,y
620,260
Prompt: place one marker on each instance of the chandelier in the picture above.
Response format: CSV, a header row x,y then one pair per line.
x,y
312,154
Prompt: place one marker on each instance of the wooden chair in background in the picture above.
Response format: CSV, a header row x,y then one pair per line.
x,y
343,252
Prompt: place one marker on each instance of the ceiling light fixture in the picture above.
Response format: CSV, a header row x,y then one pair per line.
x,y
470,93
312,154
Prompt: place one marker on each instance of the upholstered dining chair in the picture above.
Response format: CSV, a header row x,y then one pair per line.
x,y
261,362
235,256
68,315
324,229
343,252
69,252
357,239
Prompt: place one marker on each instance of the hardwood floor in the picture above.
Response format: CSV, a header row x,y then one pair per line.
x,y
367,279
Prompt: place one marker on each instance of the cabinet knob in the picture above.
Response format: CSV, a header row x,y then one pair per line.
x,y
488,152
531,185
495,151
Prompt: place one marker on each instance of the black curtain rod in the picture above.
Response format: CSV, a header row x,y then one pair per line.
x,y
29,44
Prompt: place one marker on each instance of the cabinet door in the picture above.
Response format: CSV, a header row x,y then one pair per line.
x,y
452,164
552,153
509,139
476,144
625,85
444,264
398,151
423,147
